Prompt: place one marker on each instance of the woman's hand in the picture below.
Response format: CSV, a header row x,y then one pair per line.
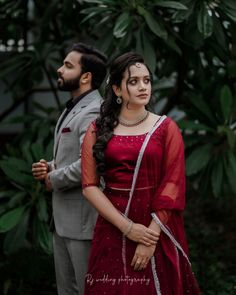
x,y
143,235
142,256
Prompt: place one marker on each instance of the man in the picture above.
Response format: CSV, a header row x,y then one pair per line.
x,y
81,74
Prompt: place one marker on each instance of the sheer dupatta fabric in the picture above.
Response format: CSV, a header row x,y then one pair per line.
x,y
88,162
163,166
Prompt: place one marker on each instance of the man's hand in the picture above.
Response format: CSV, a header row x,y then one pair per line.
x,y
40,169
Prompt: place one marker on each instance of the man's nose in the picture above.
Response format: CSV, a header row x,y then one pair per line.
x,y
59,71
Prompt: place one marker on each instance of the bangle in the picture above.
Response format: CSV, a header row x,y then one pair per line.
x,y
129,228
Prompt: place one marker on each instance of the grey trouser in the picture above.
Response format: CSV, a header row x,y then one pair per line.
x,y
71,262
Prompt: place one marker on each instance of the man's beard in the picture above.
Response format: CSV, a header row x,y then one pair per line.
x,y
69,85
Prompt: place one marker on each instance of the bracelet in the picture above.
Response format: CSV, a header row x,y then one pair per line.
x,y
129,228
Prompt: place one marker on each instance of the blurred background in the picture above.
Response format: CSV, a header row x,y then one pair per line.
x,y
190,46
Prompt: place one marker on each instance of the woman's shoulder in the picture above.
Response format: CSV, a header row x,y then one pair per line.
x,y
167,126
92,127
163,119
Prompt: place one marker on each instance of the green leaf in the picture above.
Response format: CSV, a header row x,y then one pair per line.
x,y
27,152
217,177
230,169
49,13
180,15
15,238
202,106
7,194
102,2
15,175
231,138
95,9
204,21
171,4
149,52
156,27
42,209
194,126
16,199
231,68
226,101
44,131
11,218
3,208
121,25
15,64
37,150
49,149
190,140
194,40
43,236
198,159
231,4
91,12
172,44
229,9
20,164
219,34
139,45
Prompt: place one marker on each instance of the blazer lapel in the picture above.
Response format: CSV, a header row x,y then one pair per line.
x,y
56,134
84,102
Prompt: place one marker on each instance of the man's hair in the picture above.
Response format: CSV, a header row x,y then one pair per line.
x,y
93,61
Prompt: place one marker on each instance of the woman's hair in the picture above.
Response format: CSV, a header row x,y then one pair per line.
x,y
110,109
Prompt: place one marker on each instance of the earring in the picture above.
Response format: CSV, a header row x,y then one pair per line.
x,y
119,100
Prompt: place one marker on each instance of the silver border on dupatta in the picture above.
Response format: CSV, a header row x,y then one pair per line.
x,y
136,170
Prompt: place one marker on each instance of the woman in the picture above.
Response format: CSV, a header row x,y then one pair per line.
x,y
139,244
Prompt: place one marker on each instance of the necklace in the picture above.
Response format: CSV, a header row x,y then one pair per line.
x,y
134,123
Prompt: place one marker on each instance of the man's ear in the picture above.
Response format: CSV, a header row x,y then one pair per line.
x,y
117,90
86,78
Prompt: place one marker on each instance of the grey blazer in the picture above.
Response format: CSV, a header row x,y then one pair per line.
x,y
74,217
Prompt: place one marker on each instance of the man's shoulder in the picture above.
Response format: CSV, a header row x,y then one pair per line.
x,y
95,94
94,99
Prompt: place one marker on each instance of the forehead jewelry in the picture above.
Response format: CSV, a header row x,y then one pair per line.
x,y
138,64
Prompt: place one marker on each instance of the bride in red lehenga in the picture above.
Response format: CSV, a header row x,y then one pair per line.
x,y
139,245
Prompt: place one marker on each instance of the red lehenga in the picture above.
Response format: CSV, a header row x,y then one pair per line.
x,y
160,194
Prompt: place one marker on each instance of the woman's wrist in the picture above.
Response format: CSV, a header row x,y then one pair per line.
x,y
129,228
125,224
154,226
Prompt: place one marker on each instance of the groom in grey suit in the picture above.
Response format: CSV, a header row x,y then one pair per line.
x,y
82,73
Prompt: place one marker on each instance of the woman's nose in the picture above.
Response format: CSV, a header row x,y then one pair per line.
x,y
142,85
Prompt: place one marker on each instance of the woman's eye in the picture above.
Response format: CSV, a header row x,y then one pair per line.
x,y
147,80
132,82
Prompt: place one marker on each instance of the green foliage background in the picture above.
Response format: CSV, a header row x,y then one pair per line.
x,y
190,45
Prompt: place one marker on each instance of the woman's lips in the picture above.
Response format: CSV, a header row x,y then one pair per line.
x,y
143,95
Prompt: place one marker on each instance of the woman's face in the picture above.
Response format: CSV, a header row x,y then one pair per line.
x,y
135,87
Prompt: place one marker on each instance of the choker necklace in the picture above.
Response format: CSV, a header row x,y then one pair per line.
x,y
134,123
